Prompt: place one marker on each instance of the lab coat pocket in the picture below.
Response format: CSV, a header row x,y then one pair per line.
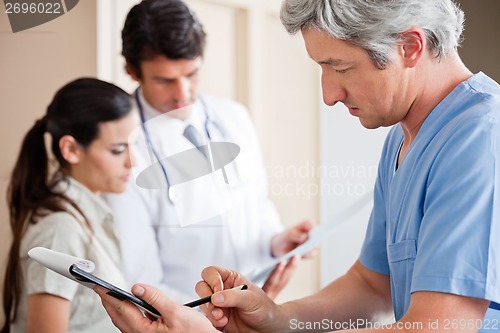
x,y
401,257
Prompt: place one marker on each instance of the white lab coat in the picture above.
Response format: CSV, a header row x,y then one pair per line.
x,y
160,250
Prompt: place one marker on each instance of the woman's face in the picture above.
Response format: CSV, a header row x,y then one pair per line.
x,y
104,166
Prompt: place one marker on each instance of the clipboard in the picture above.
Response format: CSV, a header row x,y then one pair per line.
x,y
80,270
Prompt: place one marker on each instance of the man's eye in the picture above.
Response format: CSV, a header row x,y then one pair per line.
x,y
193,74
164,81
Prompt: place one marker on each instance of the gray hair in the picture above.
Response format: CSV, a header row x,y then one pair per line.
x,y
376,25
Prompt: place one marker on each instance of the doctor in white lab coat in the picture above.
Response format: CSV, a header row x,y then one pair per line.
x,y
171,228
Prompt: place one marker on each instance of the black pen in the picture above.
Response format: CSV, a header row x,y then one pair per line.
x,y
207,299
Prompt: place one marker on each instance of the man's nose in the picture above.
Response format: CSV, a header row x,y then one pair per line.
x,y
333,91
182,89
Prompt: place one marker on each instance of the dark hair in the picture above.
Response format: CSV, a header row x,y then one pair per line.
x,y
77,109
161,27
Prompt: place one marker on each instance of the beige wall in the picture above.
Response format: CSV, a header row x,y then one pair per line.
x,y
481,45
33,65
288,124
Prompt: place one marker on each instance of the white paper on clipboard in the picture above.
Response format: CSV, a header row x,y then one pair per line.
x,y
316,235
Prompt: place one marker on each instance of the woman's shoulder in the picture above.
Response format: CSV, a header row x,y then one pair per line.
x,y
57,229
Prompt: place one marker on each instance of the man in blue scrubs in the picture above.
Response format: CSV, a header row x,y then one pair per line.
x,y
432,250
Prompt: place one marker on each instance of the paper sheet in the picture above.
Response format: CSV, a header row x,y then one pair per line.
x,y
316,235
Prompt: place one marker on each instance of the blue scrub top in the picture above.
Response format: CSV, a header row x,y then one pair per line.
x,y
435,225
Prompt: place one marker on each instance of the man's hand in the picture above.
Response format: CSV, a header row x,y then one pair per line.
x,y
281,244
280,276
174,317
241,311
289,239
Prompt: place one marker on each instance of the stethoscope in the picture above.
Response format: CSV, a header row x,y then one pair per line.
x,y
209,126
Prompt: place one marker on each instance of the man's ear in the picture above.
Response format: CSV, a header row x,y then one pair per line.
x,y
413,46
132,72
70,149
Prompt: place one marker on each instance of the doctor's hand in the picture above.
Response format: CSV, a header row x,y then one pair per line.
x,y
174,317
280,277
239,311
281,244
289,239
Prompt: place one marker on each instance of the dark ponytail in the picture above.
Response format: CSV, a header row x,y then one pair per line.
x,y
28,181
77,109
30,172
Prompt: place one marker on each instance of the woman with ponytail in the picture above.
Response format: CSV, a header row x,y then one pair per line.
x,y
53,202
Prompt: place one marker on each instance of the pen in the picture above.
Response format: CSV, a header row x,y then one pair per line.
x,y
207,299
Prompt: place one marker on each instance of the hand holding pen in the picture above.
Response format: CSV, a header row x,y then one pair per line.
x,y
239,311
207,299
174,317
